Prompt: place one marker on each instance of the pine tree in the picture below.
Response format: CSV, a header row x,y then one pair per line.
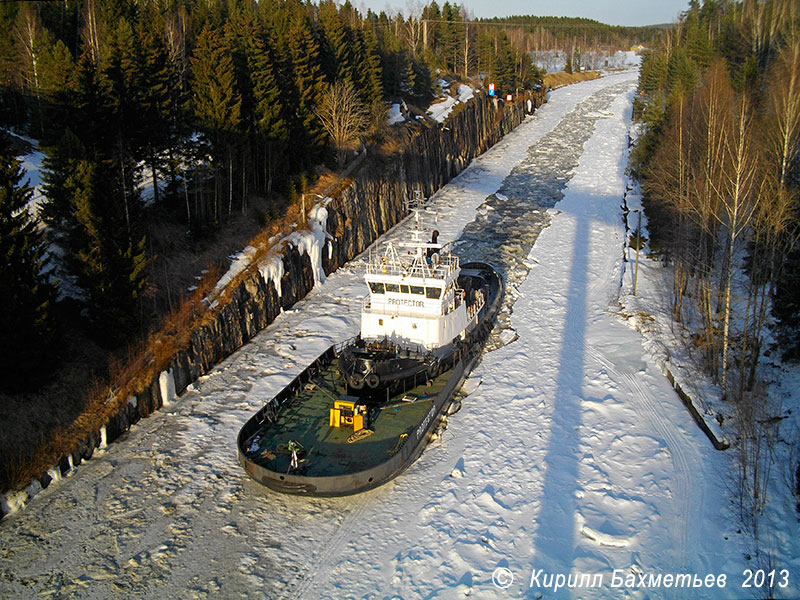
x,y
11,105
108,267
430,36
58,85
271,123
91,107
450,35
155,103
339,56
56,210
217,103
371,72
240,41
410,78
310,84
27,323
121,80
505,73
102,254
423,88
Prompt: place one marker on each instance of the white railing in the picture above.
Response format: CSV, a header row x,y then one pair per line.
x,y
442,270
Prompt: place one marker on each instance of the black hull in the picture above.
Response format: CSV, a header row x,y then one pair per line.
x,y
363,480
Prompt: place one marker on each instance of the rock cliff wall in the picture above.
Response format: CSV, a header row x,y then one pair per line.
x,y
356,217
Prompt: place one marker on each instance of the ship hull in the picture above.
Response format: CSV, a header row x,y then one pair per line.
x,y
332,467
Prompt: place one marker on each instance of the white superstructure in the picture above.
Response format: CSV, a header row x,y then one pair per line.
x,y
414,295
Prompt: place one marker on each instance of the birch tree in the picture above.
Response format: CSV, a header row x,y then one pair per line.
x,y
344,117
738,198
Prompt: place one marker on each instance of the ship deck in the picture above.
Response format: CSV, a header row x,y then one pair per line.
x,y
304,419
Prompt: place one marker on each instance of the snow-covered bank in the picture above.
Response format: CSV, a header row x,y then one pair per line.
x,y
572,455
775,559
32,164
439,111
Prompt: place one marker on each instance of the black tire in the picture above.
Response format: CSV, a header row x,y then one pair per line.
x,y
433,370
356,382
373,380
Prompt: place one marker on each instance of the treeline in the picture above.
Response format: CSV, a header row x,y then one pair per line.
x,y
572,34
580,40
718,161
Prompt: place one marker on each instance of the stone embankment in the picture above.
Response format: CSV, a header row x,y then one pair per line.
x,y
356,217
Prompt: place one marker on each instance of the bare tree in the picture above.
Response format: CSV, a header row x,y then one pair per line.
x,y
784,107
738,200
91,34
31,37
668,180
414,25
344,117
773,236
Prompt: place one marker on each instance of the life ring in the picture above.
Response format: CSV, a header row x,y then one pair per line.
x,y
373,380
356,382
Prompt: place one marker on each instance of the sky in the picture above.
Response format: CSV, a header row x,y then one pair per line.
x,y
612,12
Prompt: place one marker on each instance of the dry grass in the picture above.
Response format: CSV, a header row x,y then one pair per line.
x,y
26,419
104,398
557,80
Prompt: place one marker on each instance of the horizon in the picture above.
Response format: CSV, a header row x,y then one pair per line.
x,y
627,13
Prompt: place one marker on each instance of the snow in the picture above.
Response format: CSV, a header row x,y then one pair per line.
x,y
465,92
667,350
239,262
395,115
271,266
571,454
313,243
440,110
14,501
166,384
271,269
55,474
556,60
32,164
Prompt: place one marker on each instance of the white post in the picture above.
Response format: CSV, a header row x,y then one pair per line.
x,y
638,245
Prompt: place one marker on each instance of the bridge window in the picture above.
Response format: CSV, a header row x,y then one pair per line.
x,y
392,287
434,293
403,289
377,288
418,290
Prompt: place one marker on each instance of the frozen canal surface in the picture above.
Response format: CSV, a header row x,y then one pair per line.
x,y
571,453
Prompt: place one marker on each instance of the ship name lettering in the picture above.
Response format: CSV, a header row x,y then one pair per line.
x,y
424,425
405,302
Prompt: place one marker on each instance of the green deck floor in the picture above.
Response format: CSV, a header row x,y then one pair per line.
x,y
327,453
